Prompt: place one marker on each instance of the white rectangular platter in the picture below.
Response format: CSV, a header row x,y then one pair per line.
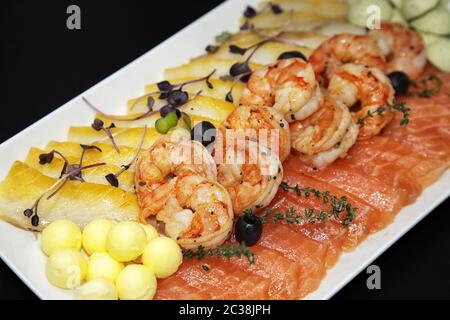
x,y
20,249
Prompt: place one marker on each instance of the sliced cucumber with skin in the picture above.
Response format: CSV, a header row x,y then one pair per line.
x,y
437,54
436,21
414,8
360,14
397,3
429,38
397,17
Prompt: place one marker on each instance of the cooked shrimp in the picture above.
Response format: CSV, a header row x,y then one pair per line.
x,y
197,212
324,158
403,48
364,89
169,157
288,85
321,131
345,48
250,172
263,124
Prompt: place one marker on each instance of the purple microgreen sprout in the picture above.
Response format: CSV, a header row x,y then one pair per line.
x,y
112,178
98,125
85,148
251,12
150,103
165,88
56,187
47,158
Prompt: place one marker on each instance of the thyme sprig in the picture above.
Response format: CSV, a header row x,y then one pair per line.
x,y
427,91
32,212
112,178
337,204
227,251
399,106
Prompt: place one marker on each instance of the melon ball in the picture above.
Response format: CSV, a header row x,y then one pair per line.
x,y
102,265
94,235
126,241
163,256
150,231
66,268
97,289
136,282
360,12
60,234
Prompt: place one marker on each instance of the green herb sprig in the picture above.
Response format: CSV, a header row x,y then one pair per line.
x,y
399,106
227,250
428,91
291,216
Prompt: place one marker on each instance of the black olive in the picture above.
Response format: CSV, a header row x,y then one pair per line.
x,y
292,54
248,229
400,82
204,132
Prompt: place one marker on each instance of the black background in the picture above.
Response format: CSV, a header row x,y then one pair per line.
x,y
43,65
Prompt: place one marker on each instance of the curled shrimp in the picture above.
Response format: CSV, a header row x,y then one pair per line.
x,y
287,85
168,157
321,131
250,172
345,48
263,124
403,48
364,90
197,212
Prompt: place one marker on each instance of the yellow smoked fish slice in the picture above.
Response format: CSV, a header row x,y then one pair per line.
x,y
327,8
108,154
290,20
203,66
78,202
201,108
267,53
94,175
219,89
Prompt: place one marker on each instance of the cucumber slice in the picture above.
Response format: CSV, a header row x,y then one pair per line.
x,y
397,3
436,53
436,21
398,17
360,14
414,8
429,38
445,4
